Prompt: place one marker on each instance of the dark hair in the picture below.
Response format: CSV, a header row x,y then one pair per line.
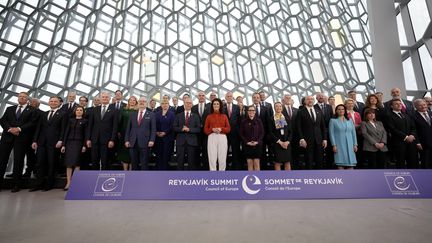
x,y
368,111
79,106
393,101
220,105
119,91
84,98
345,115
58,97
368,104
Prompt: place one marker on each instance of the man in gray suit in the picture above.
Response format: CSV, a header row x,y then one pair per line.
x,y
140,135
187,127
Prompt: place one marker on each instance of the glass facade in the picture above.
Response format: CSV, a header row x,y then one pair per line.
x,y
415,35
156,47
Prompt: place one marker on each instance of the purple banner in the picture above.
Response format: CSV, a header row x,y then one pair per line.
x,y
245,185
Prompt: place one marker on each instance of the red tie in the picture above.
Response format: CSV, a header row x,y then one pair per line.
x,y
140,118
229,110
187,119
403,107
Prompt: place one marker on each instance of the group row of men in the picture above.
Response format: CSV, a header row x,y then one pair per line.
x,y
25,124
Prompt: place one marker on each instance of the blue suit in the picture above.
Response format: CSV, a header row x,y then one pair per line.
x,y
139,135
343,135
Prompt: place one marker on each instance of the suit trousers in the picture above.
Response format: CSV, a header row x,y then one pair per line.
x,y
18,163
99,155
217,147
47,161
191,152
139,156
426,158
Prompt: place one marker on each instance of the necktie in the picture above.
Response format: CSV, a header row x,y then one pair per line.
x,y
140,118
257,110
70,106
18,113
312,114
403,107
118,105
289,112
400,115
50,115
322,107
229,110
187,119
103,111
427,118
200,109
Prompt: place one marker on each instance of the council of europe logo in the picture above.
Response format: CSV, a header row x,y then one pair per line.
x,y
110,183
401,183
248,181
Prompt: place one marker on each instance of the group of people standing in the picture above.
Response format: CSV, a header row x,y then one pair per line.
x,y
317,135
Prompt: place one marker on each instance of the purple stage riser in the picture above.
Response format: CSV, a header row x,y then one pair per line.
x,y
244,185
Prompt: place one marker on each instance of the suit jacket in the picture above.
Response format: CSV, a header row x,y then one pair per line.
x,y
310,130
327,113
360,107
269,108
113,106
26,122
408,104
264,116
102,130
424,130
204,115
48,133
293,115
234,119
65,108
400,128
276,134
373,135
142,133
187,138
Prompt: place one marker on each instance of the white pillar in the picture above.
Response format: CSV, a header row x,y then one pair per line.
x,y
385,47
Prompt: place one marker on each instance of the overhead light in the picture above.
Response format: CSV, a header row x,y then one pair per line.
x,y
217,59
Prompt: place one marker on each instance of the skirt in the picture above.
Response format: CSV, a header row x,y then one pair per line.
x,y
252,152
282,155
73,153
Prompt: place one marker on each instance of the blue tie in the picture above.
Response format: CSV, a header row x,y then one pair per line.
x,y
18,113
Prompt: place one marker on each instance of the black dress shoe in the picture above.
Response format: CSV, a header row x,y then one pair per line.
x,y
47,189
15,189
26,175
65,189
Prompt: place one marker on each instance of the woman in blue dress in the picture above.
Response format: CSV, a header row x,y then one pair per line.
x,y
343,137
164,136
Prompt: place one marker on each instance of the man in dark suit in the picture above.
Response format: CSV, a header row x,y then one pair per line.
x,y
290,113
403,136
407,106
140,135
264,115
17,123
118,101
47,141
187,127
358,106
102,132
233,113
428,103
202,110
267,105
312,133
152,106
180,109
327,112
70,105
423,122
31,153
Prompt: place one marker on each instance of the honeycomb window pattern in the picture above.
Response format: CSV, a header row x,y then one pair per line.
x,y
156,47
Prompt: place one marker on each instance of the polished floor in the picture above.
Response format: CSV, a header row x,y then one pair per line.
x,y
46,217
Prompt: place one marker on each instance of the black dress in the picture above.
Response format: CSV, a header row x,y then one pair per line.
x,y
252,130
74,141
284,134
